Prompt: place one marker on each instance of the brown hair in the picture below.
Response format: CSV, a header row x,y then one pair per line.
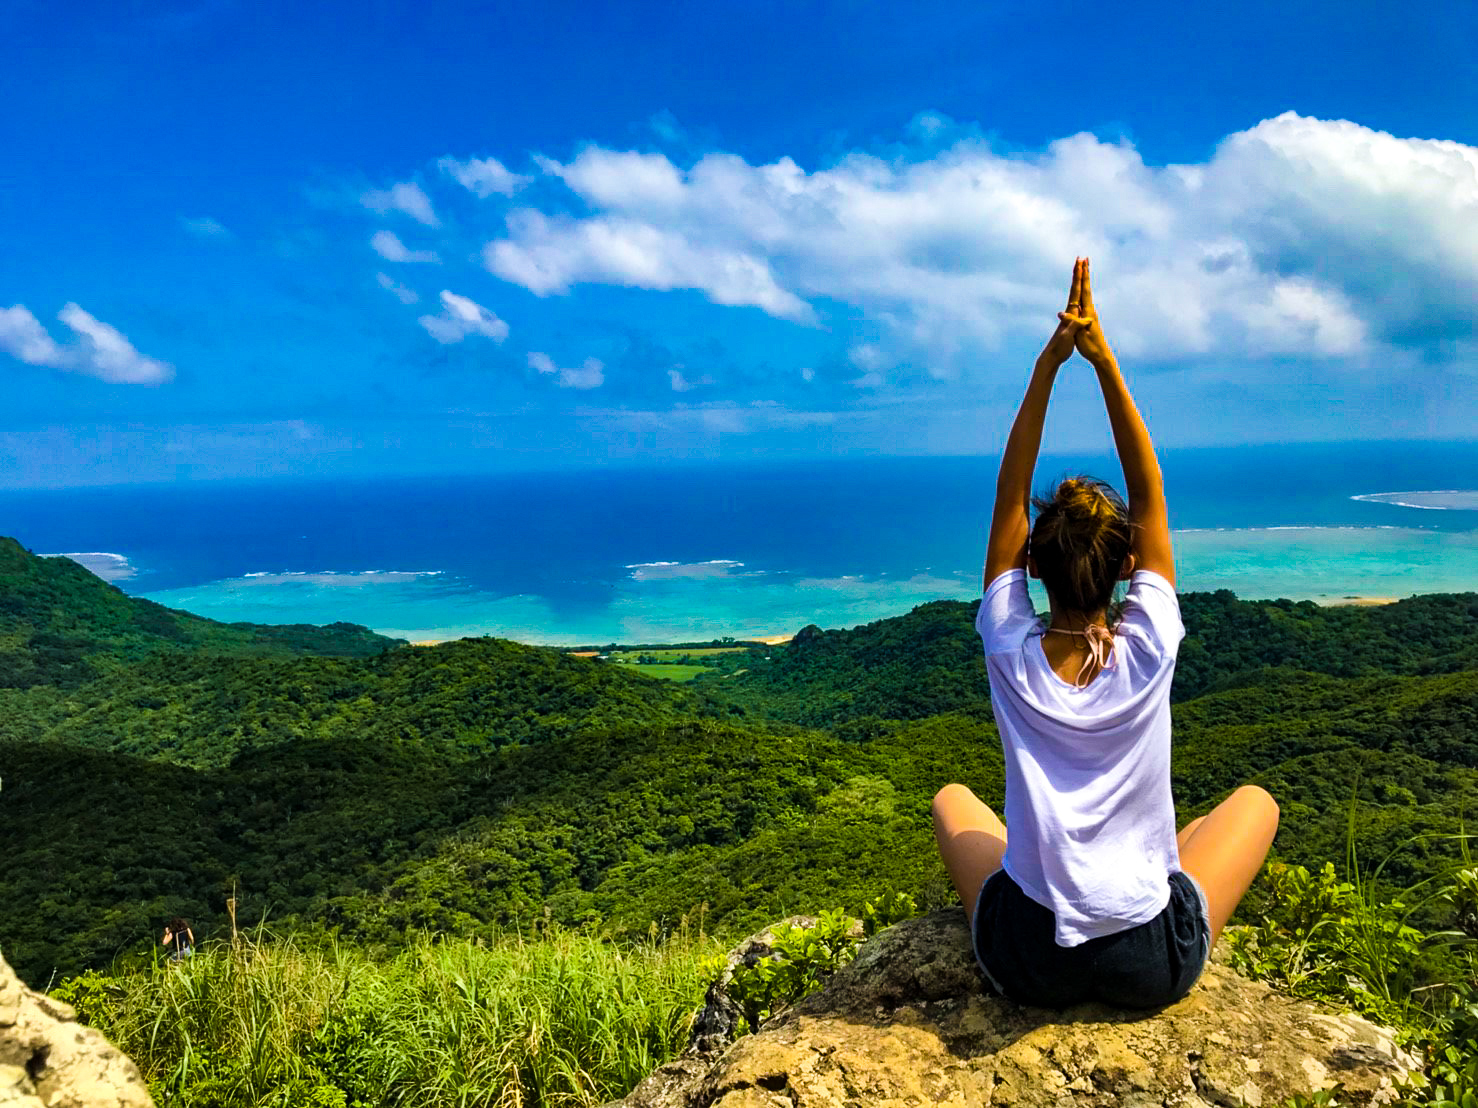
x,y
1079,542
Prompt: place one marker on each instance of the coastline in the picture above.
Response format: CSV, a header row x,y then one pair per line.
x,y
739,638
780,638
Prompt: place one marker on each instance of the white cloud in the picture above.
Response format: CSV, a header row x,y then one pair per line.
x,y
461,317
96,349
588,376
483,176
387,244
406,197
204,227
23,337
399,291
548,256
1298,237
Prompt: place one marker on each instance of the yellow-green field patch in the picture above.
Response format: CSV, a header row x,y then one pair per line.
x,y
678,652
667,671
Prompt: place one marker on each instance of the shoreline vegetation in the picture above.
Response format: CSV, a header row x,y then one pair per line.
x,y
781,638
736,640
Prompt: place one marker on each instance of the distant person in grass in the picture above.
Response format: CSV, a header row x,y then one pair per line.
x,y
178,939
1093,896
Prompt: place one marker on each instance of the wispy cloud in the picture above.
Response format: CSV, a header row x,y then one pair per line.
x,y
407,197
95,349
1298,237
204,227
387,244
590,375
399,291
461,317
483,176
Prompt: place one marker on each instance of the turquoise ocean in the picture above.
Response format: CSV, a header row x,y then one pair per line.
x,y
686,551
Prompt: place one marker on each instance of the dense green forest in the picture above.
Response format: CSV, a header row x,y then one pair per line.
x,y
61,626
343,783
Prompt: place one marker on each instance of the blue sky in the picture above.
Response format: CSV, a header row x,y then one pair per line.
x,y
268,239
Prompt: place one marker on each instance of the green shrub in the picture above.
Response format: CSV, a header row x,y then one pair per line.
x,y
804,960
886,910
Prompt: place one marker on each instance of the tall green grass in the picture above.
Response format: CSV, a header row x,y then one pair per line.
x,y
563,1019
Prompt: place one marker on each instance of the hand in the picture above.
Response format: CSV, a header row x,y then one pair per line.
x,y
1088,338
1070,324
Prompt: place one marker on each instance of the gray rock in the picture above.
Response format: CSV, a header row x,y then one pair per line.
x,y
49,1059
910,1022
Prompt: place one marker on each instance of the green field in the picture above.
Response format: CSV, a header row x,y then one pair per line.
x,y
667,671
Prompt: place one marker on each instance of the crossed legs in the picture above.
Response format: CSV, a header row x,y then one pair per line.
x,y
1223,850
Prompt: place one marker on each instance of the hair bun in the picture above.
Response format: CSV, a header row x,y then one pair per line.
x,y
1080,500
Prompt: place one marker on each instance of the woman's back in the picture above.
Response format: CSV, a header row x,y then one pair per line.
x,y
1087,768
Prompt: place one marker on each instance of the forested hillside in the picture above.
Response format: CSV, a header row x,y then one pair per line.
x,y
930,661
484,784
61,625
466,697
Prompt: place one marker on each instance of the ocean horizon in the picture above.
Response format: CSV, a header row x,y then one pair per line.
x,y
707,550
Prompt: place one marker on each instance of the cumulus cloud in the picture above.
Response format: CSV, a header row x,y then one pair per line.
x,y
399,291
461,317
590,375
483,176
95,349
549,255
407,197
1298,237
387,244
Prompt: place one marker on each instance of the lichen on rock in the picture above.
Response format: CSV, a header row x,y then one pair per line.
x,y
49,1060
911,1022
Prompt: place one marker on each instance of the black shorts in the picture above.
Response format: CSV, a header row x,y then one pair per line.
x,y
1147,966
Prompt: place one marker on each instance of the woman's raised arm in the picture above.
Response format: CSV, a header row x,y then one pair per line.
x,y
1142,479
1010,522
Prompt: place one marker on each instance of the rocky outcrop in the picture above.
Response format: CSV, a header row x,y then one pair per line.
x,y
49,1059
909,1022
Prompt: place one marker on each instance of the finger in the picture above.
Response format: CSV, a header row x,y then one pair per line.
x,y
1085,289
1074,298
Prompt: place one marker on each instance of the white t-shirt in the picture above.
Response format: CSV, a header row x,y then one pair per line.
x,y
1089,816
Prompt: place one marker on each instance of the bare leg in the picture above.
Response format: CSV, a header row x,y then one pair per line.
x,y
1187,831
972,841
1225,849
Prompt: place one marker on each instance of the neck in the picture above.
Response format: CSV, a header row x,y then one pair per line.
x,y
1076,621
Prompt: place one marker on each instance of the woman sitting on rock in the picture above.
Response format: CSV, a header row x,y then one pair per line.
x,y
1094,896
